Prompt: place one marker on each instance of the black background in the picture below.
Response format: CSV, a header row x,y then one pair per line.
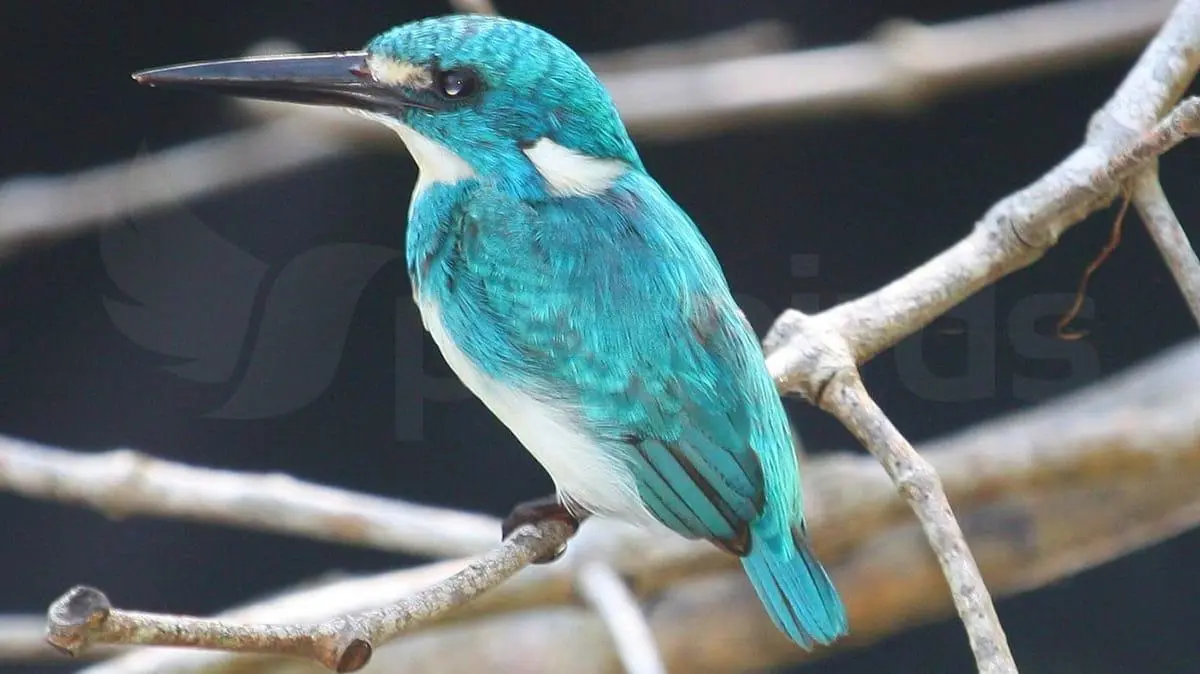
x,y
870,195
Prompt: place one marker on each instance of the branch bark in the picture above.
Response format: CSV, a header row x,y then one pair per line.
x,y
846,398
84,615
1137,428
122,483
818,356
1043,494
1164,227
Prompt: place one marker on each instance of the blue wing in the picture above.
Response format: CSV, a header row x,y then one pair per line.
x,y
615,306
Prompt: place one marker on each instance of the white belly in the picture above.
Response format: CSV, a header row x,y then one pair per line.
x,y
582,471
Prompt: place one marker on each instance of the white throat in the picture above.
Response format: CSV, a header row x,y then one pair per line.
x,y
436,163
567,173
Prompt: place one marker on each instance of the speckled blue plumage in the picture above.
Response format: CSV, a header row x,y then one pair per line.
x,y
609,307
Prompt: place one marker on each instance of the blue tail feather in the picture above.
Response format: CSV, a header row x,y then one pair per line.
x,y
795,590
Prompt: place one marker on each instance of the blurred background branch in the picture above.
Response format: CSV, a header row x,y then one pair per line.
x,y
904,65
123,483
611,599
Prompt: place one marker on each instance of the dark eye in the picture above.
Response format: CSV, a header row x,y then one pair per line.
x,y
457,84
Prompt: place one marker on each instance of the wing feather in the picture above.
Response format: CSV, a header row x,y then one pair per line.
x,y
608,307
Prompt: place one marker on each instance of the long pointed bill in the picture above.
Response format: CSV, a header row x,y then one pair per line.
x,y
334,79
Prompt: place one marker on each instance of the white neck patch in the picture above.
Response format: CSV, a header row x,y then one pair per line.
x,y
436,163
571,174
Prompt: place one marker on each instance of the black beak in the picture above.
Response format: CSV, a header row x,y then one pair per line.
x,y
335,79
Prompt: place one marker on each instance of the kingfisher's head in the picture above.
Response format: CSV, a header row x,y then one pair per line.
x,y
470,95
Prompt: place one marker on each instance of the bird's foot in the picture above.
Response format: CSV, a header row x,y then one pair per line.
x,y
537,511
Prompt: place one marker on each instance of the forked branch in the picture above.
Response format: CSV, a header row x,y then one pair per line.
x,y
818,355
84,615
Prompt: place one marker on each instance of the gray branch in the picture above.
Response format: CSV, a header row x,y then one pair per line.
x,y
617,606
122,483
84,616
1042,494
818,356
1168,235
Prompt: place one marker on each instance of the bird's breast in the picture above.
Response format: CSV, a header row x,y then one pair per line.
x,y
585,471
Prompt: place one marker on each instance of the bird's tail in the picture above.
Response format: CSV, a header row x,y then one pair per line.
x,y
794,587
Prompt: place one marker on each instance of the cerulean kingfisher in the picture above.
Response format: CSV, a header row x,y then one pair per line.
x,y
570,293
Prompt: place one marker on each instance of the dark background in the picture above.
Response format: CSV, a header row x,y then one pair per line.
x,y
871,196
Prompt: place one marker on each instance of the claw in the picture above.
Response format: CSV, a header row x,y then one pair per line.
x,y
536,511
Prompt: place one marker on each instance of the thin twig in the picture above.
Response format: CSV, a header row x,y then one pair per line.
x,y
1013,234
612,600
1168,235
1110,246
121,483
846,398
901,66
42,209
85,616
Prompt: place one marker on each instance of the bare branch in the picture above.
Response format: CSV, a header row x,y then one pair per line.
x,y
713,625
906,64
85,616
1168,235
1042,494
123,483
608,595
1013,234
818,356
22,639
846,398
1135,429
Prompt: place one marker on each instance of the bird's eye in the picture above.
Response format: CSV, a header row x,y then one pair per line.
x,y
457,84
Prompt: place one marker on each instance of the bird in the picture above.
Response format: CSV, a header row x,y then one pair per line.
x,y
570,293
